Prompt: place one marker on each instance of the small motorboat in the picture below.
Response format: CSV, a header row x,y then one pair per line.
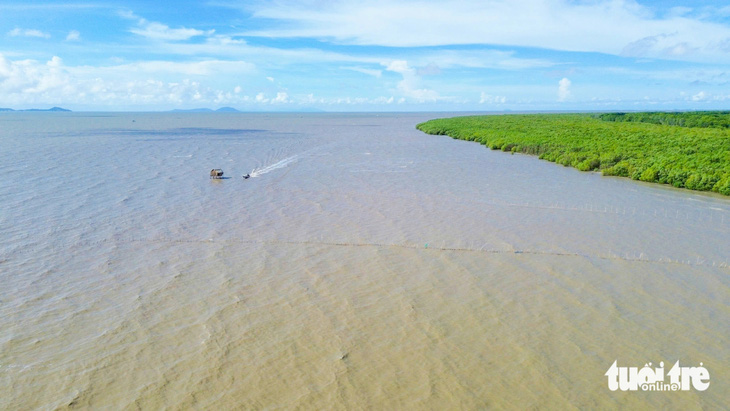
x,y
216,173
247,176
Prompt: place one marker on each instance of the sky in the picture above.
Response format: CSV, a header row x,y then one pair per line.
x,y
354,55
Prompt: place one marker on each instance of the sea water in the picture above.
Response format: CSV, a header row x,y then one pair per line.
x,y
364,265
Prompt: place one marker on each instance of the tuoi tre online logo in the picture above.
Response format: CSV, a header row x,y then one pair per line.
x,y
648,379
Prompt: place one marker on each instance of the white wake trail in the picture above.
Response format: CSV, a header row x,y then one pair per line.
x,y
279,164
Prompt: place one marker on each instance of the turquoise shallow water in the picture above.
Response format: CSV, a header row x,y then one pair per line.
x,y
364,265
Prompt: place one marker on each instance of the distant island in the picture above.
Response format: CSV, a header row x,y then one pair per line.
x,y
37,109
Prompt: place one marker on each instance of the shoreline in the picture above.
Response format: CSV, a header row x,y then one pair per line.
x,y
694,158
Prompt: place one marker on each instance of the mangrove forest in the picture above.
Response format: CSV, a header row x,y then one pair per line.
x,y
686,150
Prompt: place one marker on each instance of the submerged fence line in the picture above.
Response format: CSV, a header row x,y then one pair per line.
x,y
611,255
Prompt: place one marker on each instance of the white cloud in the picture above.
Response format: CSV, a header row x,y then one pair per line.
x,y
680,49
222,40
28,33
563,89
410,86
607,26
426,62
431,69
55,62
398,66
128,14
701,96
369,72
718,76
490,99
28,79
679,11
46,6
159,31
29,82
189,68
73,35
705,97
281,97
642,46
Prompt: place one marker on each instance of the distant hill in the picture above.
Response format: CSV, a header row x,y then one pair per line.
x,y
37,109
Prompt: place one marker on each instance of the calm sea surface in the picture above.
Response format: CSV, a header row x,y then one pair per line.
x,y
365,265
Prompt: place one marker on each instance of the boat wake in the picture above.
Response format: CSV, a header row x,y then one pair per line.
x,y
256,172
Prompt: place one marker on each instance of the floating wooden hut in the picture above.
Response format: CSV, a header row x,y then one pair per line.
x,y
216,173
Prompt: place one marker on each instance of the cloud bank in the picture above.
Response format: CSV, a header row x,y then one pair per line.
x,y
379,55
604,26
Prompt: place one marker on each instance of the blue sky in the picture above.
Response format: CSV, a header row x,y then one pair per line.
x,y
394,55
